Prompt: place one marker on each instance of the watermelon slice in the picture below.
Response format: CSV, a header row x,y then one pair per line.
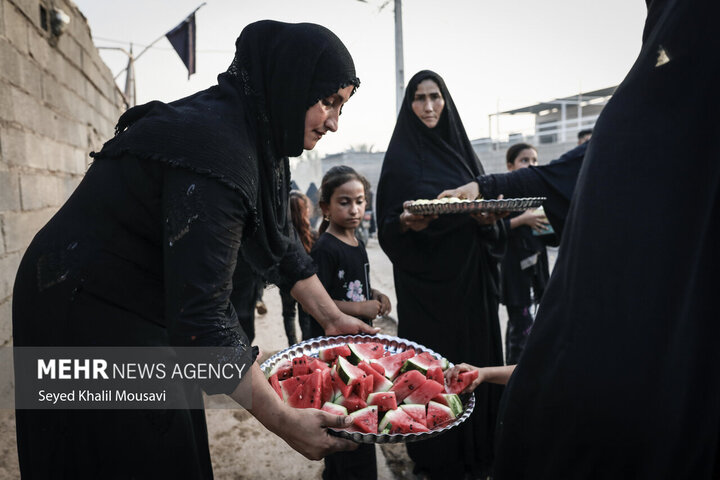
x,y
400,422
328,390
301,366
407,383
282,369
364,352
275,384
436,373
416,412
348,373
425,393
339,387
330,354
334,409
288,387
366,419
316,364
393,363
380,383
385,401
352,402
450,400
309,394
422,363
380,369
364,387
462,382
438,415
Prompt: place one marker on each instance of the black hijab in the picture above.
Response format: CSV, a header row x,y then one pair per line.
x,y
242,130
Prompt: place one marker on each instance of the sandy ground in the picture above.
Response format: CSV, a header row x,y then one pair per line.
x,y
241,448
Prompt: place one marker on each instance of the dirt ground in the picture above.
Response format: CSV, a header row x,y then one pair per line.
x,y
241,448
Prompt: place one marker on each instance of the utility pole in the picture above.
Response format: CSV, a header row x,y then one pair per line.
x,y
399,64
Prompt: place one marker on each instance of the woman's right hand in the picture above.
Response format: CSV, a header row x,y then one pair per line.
x,y
371,309
414,222
534,220
451,376
305,430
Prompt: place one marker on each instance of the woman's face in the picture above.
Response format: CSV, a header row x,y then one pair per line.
x,y
428,103
525,158
323,116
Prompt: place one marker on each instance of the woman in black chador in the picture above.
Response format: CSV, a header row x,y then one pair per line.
x,y
619,378
143,253
446,269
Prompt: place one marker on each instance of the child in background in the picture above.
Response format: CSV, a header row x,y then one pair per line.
x,y
344,271
300,211
524,267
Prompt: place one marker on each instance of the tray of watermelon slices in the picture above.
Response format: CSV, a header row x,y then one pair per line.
x,y
393,389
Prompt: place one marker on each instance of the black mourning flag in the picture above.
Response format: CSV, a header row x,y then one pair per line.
x,y
182,39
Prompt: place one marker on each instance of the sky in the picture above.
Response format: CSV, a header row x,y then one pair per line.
x,y
494,55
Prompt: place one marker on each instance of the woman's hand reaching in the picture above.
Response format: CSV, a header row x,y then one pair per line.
x,y
305,430
411,221
347,325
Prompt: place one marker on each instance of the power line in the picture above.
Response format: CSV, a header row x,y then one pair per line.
x,y
124,42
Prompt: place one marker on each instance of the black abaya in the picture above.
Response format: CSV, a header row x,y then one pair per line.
x,y
619,377
446,275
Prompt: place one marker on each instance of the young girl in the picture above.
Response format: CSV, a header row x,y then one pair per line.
x,y
300,211
344,271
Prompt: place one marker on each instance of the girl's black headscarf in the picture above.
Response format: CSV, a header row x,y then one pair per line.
x,y
242,130
431,159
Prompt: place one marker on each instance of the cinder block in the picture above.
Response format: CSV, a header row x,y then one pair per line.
x,y
20,147
6,322
41,191
30,9
8,269
10,61
72,132
39,47
16,28
9,191
68,159
20,228
71,49
2,16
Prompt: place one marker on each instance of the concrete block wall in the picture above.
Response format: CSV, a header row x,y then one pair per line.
x,y
493,161
58,102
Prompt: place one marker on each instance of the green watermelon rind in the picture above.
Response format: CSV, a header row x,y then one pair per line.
x,y
454,402
334,408
344,369
417,363
356,356
441,407
387,418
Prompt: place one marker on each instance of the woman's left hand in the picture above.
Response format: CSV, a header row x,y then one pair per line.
x,y
385,306
347,325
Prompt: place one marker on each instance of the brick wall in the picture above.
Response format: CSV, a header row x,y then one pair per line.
x,y
58,102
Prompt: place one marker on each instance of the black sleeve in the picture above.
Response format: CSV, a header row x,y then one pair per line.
x,y
202,232
295,265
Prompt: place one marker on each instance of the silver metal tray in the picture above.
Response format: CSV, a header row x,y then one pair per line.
x,y
311,348
435,207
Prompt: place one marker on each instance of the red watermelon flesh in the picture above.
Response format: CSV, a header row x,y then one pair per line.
x,y
275,383
424,393
366,419
288,387
330,354
364,388
462,382
438,415
401,422
380,369
316,364
365,351
309,394
384,400
430,359
416,412
301,366
394,363
283,370
407,383
436,373
380,383
328,391
353,403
